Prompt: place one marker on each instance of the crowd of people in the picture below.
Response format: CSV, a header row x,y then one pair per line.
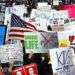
x,y
41,60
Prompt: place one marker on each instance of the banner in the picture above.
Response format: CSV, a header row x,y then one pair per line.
x,y
40,42
62,61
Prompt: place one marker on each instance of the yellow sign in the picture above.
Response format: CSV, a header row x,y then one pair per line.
x,y
64,43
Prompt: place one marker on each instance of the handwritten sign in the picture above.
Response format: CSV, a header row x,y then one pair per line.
x,y
62,61
11,53
19,10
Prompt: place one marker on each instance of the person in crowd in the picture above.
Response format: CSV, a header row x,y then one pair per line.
x,y
1,73
9,3
47,66
49,28
6,69
27,60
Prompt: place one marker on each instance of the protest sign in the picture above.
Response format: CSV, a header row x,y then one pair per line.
x,y
11,53
55,2
31,69
19,10
70,8
43,6
62,61
40,42
65,38
3,30
53,18
70,25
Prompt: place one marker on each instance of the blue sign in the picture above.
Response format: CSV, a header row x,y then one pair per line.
x,y
3,30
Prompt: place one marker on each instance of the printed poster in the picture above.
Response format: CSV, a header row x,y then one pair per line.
x,y
62,61
40,42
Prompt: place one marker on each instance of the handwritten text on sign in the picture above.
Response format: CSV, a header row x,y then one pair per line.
x,y
64,62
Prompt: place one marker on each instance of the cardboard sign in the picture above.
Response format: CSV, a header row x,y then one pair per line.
x,y
11,53
40,42
62,61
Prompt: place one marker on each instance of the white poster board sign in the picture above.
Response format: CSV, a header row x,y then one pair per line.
x,y
62,61
45,18
55,2
11,53
44,6
19,10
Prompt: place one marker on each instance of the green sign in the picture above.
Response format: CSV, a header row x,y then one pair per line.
x,y
31,42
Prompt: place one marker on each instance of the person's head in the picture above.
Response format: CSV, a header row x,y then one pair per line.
x,y
49,28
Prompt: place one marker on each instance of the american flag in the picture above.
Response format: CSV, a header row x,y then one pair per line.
x,y
18,27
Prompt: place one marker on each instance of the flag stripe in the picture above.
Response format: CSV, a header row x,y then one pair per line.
x,y
17,29
16,35
30,25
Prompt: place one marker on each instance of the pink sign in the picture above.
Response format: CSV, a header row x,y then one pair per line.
x,y
70,8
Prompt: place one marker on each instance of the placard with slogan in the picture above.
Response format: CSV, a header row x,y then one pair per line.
x,y
11,53
40,42
62,61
